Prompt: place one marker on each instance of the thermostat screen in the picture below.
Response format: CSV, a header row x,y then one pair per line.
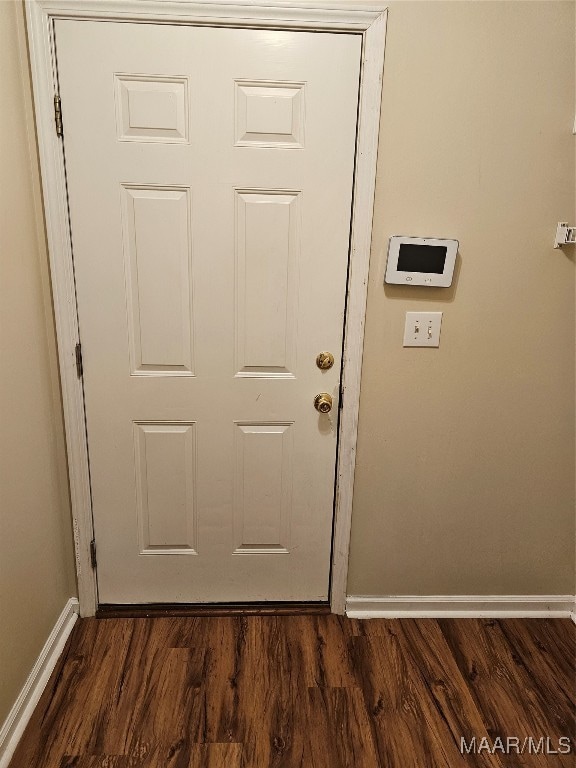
x,y
421,258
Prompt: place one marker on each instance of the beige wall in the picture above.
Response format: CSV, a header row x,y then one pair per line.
x,y
465,469
36,560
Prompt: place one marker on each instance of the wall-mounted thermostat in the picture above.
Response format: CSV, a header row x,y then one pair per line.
x,y
425,261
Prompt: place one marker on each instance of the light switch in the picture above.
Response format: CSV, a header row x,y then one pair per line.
x,y
422,329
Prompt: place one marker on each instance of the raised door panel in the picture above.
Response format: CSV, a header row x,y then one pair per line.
x,y
157,245
152,108
269,114
267,248
166,487
263,488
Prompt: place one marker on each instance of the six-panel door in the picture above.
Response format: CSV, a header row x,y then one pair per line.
x,y
210,176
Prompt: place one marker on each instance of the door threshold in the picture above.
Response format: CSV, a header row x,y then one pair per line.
x,y
154,610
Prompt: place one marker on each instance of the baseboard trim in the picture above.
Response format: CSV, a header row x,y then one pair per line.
x,y
18,717
454,606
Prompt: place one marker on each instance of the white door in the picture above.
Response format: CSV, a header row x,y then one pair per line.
x,y
210,180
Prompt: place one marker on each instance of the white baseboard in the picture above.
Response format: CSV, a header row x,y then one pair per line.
x,y
17,720
454,606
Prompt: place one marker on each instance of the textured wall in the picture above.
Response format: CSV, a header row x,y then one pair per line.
x,y
465,471
36,558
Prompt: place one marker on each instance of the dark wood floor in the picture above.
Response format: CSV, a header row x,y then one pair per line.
x,y
304,691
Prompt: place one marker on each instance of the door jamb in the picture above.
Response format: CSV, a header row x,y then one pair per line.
x,y
369,20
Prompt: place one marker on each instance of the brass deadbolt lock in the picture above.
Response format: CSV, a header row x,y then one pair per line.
x,y
325,360
323,402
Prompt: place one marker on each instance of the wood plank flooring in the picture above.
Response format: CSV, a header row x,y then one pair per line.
x,y
306,692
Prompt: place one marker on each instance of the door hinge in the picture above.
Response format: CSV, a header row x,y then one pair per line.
x,y
341,398
58,115
93,553
79,364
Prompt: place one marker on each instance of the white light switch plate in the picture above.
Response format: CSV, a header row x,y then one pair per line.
x,y
422,329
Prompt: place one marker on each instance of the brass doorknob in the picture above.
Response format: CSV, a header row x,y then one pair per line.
x,y
325,361
323,402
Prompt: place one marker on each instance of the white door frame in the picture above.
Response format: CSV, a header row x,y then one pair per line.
x,y
351,17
